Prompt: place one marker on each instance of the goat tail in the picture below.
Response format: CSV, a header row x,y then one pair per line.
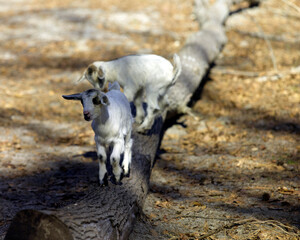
x,y
177,68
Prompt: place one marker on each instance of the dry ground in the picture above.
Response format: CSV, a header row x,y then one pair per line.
x,y
237,161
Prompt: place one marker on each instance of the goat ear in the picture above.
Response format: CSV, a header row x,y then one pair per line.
x,y
101,77
91,74
91,69
76,96
104,100
100,72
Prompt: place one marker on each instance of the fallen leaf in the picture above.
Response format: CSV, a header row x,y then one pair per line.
x,y
152,216
197,203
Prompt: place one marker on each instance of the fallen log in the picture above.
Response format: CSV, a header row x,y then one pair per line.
x,y
109,212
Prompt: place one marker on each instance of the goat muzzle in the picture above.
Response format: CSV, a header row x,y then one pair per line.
x,y
87,115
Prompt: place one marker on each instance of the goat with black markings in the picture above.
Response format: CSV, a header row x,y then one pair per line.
x,y
112,125
142,76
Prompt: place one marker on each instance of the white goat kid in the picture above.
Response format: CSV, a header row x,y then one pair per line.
x,y
147,75
112,124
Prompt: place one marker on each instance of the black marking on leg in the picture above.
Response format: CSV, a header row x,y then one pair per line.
x,y
100,157
129,170
114,180
104,181
125,175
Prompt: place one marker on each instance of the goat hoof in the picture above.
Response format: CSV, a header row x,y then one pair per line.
x,y
104,181
126,173
141,130
119,183
115,181
103,184
138,120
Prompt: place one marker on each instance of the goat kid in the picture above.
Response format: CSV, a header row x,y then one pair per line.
x,y
141,76
112,125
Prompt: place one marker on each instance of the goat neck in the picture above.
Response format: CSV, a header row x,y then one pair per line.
x,y
103,117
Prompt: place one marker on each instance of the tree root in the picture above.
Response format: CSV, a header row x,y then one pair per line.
x,y
280,227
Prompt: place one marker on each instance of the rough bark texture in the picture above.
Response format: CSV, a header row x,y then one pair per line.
x,y
110,212
198,53
105,213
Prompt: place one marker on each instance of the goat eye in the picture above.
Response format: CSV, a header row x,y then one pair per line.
x,y
96,101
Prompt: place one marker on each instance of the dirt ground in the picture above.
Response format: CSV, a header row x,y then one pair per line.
x,y
232,171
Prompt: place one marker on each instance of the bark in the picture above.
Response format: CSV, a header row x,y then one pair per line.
x,y
198,52
109,212
105,213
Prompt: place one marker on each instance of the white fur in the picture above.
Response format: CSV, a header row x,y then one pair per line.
x,y
143,77
112,124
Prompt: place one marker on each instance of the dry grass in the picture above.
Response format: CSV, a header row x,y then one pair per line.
x,y
240,160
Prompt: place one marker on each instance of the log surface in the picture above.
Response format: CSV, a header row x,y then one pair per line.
x,y
110,212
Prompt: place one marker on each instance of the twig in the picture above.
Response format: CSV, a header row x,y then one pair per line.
x,y
261,76
268,36
250,1
209,218
283,13
292,5
271,223
218,70
280,226
275,224
227,226
267,42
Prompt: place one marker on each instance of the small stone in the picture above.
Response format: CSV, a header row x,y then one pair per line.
x,y
244,44
266,197
262,147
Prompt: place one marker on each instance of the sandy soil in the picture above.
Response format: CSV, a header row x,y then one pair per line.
x,y
233,168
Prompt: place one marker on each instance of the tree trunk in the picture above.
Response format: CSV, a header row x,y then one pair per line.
x,y
198,52
104,213
109,212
